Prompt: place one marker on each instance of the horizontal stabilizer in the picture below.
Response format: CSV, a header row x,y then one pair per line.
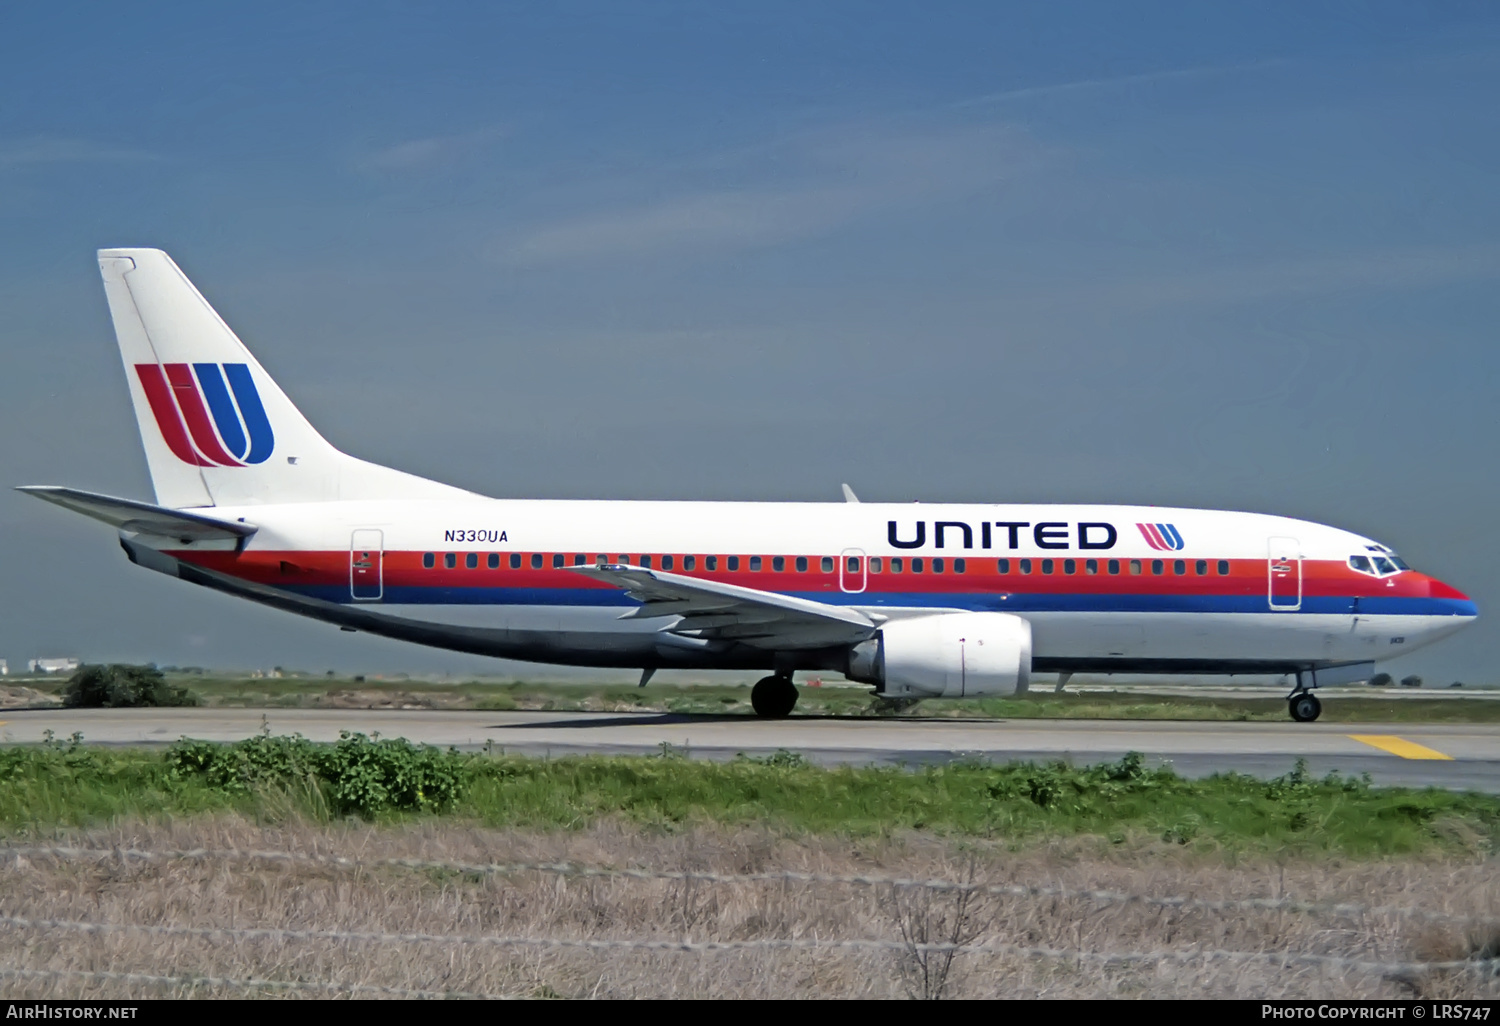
x,y
142,517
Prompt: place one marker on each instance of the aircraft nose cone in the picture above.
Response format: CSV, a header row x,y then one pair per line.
x,y
1462,604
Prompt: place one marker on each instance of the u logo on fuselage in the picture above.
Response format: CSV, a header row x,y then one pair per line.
x,y
1162,537
210,414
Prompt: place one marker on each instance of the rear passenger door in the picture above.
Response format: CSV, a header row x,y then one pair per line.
x,y
366,572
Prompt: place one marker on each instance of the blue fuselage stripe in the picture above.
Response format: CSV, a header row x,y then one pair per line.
x,y
1013,602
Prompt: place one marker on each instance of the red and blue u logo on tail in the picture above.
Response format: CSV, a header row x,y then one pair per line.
x,y
209,413
1162,537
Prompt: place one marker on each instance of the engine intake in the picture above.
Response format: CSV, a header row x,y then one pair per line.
x,y
948,655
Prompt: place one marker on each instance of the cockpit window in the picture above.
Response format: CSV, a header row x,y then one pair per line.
x,y
1381,562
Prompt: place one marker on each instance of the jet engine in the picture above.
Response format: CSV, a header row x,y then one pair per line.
x,y
947,655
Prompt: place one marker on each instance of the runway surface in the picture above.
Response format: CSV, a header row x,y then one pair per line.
x,y
1440,755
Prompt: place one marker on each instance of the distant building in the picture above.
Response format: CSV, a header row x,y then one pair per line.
x,y
65,665
4,668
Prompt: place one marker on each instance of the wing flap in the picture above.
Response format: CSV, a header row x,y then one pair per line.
x,y
718,611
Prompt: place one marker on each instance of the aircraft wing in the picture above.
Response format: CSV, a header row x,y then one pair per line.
x,y
712,610
142,517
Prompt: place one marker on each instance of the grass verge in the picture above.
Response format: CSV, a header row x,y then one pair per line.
x,y
68,784
1368,705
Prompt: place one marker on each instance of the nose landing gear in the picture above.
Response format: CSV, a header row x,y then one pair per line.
x,y
773,697
1304,706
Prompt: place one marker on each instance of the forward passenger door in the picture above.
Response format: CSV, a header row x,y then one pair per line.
x,y
1284,574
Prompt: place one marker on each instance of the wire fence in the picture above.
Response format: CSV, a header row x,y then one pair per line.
x,y
1276,958
1482,965
569,869
249,983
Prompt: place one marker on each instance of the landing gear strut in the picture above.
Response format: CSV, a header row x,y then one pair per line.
x,y
773,697
1304,706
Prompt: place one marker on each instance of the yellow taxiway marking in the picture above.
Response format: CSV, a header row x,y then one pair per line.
x,y
1400,746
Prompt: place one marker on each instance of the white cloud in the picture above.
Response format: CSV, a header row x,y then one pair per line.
x,y
818,181
431,152
1089,84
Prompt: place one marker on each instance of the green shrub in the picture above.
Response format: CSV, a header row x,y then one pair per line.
x,y
119,685
360,775
370,775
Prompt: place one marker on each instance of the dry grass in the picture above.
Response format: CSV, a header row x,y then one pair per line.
x,y
238,894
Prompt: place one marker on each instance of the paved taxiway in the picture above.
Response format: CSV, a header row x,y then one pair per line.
x,y
1441,755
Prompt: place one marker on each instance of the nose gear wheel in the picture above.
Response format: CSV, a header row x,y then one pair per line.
x,y
1304,707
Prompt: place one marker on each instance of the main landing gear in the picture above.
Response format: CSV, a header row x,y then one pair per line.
x,y
773,697
1304,706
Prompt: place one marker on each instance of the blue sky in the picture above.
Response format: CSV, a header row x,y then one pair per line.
x,y
1166,253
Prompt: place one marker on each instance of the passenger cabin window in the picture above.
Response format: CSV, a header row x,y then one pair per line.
x,y
690,562
1201,567
1114,566
557,560
515,561
1156,566
1025,566
580,559
778,563
1046,566
666,563
916,565
601,559
802,564
734,562
1135,566
1179,567
450,560
937,565
710,563
754,564
645,561
875,564
1002,566
494,561
896,564
429,560
1091,566
1223,568
827,564
960,566
1070,566
536,561
471,561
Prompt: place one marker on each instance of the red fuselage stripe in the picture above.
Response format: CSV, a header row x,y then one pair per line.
x,y
1328,578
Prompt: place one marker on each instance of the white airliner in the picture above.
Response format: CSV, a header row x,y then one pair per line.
x,y
917,600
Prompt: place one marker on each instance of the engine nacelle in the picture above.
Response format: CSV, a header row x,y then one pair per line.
x,y
947,655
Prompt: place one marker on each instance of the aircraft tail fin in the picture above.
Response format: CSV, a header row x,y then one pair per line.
x,y
216,428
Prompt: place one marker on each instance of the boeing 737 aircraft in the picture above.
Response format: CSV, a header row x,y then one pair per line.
x,y
916,600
